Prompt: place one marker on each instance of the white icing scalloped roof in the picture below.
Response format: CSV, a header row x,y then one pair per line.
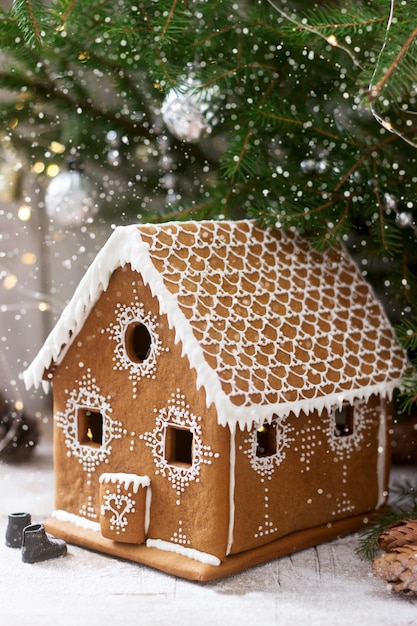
x,y
270,325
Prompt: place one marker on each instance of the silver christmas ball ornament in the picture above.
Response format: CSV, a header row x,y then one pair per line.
x,y
189,111
70,197
403,219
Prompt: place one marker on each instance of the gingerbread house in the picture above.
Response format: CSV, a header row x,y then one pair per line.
x,y
222,396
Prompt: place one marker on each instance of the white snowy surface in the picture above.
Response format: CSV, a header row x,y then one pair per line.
x,y
324,585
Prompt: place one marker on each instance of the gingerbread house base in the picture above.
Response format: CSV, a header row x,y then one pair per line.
x,y
191,569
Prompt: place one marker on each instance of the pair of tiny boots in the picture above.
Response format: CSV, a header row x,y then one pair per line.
x,y
36,543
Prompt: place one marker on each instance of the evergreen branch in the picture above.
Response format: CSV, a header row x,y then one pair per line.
x,y
320,131
368,537
404,507
332,233
305,26
408,392
407,333
239,158
145,15
183,214
375,91
44,90
63,18
211,36
33,20
360,23
404,492
237,69
28,21
169,18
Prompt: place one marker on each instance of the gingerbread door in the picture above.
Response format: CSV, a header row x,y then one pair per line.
x,y
125,506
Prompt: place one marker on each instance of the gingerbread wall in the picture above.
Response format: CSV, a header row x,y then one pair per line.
x,y
140,402
314,478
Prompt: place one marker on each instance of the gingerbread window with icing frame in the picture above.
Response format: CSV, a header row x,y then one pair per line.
x,y
138,342
90,427
266,440
179,446
344,420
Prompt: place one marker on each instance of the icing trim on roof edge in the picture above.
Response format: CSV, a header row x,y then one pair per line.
x,y
126,246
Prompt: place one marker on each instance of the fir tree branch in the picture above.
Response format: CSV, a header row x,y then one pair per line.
x,y
353,24
305,26
236,70
211,36
27,20
331,234
63,18
169,18
375,91
320,131
239,158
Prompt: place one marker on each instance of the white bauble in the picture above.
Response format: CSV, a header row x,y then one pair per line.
x,y
70,199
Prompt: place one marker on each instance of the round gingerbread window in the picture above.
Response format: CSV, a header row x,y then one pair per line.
x,y
138,342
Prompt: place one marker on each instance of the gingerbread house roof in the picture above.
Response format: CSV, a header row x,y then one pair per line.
x,y
270,325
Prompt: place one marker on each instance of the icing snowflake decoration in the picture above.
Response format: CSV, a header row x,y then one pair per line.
x,y
90,450
119,506
128,317
177,417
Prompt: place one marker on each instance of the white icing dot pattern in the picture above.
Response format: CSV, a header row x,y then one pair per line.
x,y
267,527
88,396
178,413
348,444
125,316
265,465
88,510
180,537
118,505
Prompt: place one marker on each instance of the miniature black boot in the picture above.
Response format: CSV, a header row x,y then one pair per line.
x,y
14,530
38,545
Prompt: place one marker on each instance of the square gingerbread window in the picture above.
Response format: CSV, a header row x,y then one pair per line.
x,y
266,440
179,446
90,427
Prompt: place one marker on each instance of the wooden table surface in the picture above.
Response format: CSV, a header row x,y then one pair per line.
x,y
324,585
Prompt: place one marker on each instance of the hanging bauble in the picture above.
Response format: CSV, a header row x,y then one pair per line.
x,y
70,197
403,219
308,166
189,111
